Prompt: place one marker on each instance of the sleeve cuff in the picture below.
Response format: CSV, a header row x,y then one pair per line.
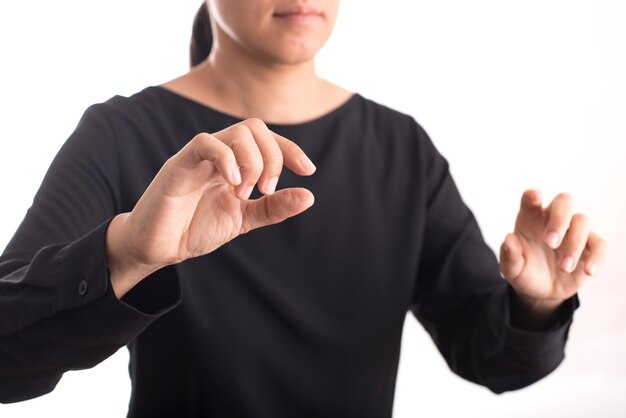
x,y
82,273
544,340
119,321
84,281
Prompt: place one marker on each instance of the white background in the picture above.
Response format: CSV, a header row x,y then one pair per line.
x,y
515,94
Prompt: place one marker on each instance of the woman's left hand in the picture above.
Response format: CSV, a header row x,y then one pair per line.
x,y
551,252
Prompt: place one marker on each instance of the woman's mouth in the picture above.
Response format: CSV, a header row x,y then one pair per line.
x,y
298,14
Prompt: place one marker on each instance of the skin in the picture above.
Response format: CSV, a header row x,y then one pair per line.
x,y
263,58
259,62
550,254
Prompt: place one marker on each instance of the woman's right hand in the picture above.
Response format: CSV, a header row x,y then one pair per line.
x,y
198,200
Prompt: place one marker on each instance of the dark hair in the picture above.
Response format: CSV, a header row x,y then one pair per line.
x,y
201,36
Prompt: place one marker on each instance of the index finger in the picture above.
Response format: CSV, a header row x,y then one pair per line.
x,y
530,205
294,158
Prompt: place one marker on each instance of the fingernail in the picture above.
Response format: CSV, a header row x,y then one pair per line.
x,y
552,239
567,264
270,186
246,192
591,268
235,176
306,163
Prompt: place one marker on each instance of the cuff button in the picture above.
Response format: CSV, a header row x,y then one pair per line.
x,y
82,288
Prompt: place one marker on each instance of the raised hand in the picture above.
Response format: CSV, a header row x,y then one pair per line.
x,y
551,252
198,200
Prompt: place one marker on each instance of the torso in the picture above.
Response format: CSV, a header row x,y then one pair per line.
x,y
303,315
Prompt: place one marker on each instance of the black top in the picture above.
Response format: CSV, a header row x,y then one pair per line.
x,y
303,318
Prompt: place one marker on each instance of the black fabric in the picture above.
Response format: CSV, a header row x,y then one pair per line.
x,y
303,318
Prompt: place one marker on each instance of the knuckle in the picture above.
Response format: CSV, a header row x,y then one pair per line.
x,y
255,123
170,163
202,140
253,166
273,161
241,131
202,137
222,154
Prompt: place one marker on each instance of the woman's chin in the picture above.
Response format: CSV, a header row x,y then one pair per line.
x,y
296,49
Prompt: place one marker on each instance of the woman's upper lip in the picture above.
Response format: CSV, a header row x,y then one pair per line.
x,y
297,10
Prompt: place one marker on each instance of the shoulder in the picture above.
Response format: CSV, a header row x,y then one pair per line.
x,y
383,116
388,122
141,107
129,124
398,132
150,117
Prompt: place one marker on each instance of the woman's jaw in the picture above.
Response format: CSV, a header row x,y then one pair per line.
x,y
277,32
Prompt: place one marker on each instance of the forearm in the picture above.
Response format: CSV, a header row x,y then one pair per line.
x,y
482,344
514,346
60,312
33,360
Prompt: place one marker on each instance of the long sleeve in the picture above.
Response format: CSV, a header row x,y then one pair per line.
x,y
464,303
57,308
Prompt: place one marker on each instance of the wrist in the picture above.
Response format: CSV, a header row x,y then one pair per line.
x,y
125,270
533,313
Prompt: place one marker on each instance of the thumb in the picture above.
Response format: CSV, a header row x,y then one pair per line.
x,y
511,257
275,208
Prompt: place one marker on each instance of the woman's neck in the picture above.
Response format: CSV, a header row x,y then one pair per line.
x,y
243,85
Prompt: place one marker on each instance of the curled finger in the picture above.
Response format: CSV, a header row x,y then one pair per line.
x,y
559,213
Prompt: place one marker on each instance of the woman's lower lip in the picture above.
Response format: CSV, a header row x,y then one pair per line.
x,y
298,17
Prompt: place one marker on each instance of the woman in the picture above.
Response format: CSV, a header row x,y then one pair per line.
x,y
134,239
